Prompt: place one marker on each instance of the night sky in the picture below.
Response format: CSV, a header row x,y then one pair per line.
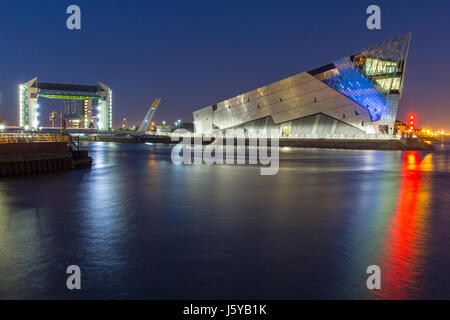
x,y
196,53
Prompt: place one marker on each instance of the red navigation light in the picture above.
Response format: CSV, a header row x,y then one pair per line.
x,y
412,122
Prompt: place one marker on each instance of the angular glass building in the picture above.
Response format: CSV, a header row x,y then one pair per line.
x,y
352,97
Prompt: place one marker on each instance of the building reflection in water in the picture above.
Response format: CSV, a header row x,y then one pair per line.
x,y
404,252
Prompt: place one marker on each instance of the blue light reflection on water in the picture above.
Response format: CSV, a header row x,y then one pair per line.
x,y
141,227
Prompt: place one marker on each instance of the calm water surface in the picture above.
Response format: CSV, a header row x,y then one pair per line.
x,y
142,227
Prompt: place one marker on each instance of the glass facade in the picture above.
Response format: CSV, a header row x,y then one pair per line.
x,y
390,83
355,86
373,66
373,78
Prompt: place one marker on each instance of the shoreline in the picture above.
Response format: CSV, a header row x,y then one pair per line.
x,y
346,144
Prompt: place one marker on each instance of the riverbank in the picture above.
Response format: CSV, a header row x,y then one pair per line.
x,y
413,144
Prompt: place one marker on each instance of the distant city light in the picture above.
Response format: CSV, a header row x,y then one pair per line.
x,y
432,132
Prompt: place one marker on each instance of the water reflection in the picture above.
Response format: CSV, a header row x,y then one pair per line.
x,y
405,244
141,227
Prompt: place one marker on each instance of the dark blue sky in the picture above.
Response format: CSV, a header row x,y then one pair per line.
x,y
196,53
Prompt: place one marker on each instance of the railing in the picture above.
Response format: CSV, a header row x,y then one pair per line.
x,y
33,138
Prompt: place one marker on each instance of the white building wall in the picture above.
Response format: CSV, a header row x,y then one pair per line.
x,y
295,97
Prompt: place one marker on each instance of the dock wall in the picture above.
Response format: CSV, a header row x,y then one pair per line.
x,y
42,157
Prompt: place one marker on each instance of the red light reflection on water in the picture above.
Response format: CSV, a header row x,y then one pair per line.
x,y
401,263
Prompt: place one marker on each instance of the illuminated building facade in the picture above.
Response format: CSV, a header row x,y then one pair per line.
x,y
355,96
73,112
92,99
79,113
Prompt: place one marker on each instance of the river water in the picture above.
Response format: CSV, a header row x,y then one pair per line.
x,y
140,226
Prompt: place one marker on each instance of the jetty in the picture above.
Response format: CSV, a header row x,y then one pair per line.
x,y
24,154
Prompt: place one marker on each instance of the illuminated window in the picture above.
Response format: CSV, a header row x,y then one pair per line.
x,y
377,67
327,74
391,83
